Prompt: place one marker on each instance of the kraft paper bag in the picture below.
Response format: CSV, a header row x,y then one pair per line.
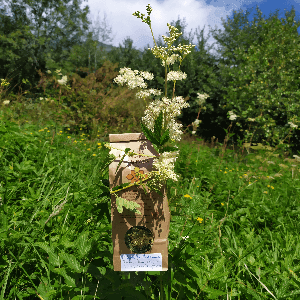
x,y
152,225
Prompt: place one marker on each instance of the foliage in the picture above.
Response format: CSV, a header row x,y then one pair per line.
x,y
126,56
234,215
82,55
212,73
269,73
33,51
236,40
89,102
71,253
16,48
79,57
229,234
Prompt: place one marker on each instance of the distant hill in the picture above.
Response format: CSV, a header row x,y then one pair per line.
x,y
108,48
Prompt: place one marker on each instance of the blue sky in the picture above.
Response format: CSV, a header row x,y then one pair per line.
x,y
117,15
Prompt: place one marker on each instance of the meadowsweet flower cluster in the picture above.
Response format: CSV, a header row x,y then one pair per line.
x,y
165,166
172,109
159,119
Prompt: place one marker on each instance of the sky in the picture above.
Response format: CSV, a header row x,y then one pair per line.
x,y
118,17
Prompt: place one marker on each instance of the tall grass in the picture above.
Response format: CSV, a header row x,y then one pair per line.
x,y
234,231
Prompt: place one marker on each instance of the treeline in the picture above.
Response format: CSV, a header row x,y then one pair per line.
x,y
232,79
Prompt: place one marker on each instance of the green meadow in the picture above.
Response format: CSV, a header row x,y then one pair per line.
x,y
234,231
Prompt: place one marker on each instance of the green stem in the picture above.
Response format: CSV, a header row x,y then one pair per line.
x,y
165,117
161,287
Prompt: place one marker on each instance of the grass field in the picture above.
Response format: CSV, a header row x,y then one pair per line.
x,y
234,230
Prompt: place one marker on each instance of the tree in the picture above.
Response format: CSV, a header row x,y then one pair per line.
x,y
103,37
234,36
16,54
61,40
271,74
51,44
2,12
240,34
82,54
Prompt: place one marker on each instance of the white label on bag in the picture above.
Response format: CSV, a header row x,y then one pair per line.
x,y
141,262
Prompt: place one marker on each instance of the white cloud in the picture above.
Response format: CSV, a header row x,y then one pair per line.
x,y
124,24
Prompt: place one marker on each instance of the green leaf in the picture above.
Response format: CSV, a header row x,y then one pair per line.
x,y
155,138
217,269
122,158
66,242
121,186
83,244
213,293
165,137
157,149
169,149
149,135
158,126
70,281
54,259
71,261
131,205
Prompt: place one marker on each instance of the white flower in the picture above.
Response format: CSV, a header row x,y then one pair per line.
x,y
58,72
143,94
132,78
232,116
172,109
297,158
293,125
196,122
171,59
201,98
6,102
63,80
176,75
